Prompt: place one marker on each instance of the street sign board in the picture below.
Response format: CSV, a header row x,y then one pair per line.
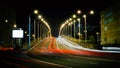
x,y
17,34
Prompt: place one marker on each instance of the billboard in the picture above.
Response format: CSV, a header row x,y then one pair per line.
x,y
17,33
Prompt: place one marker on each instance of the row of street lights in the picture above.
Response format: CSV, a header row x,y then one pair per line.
x,y
73,20
42,20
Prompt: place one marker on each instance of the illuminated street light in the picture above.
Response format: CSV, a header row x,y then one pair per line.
x,y
91,12
84,16
79,12
71,28
6,21
34,30
74,28
29,40
35,11
97,33
38,30
79,28
70,19
33,35
14,25
74,16
25,32
39,16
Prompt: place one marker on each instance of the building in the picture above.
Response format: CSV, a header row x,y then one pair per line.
x,y
110,26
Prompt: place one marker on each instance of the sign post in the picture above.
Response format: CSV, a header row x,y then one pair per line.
x,y
17,35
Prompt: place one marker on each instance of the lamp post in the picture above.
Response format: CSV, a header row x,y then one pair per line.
x,y
38,31
29,40
84,16
71,29
14,25
79,28
6,21
97,33
34,30
74,16
74,28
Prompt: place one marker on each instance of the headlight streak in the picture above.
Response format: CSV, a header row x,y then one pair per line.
x,y
70,44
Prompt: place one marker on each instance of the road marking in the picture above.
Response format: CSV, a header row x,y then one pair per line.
x,y
50,63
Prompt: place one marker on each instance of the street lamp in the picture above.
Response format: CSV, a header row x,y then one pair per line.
x,y
35,11
79,12
97,33
6,21
84,16
79,28
74,16
91,12
14,25
74,28
34,30
29,40
38,31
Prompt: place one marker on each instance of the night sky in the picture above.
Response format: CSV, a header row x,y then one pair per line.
x,y
57,11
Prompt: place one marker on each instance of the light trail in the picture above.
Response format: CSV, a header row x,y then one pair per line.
x,y
76,46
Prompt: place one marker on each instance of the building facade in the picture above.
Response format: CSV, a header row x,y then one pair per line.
x,y
110,26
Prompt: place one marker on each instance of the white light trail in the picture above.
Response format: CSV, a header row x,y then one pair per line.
x,y
76,46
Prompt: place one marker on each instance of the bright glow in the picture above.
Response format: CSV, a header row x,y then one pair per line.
x,y
33,35
67,21
78,19
91,12
36,11
73,45
97,32
74,16
39,16
42,19
15,26
25,32
79,11
6,20
17,33
69,24
84,16
70,19
79,34
74,21
78,25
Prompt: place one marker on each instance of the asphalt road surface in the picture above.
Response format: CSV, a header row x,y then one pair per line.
x,y
58,53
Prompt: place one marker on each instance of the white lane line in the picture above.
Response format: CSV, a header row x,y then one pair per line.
x,y
50,63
